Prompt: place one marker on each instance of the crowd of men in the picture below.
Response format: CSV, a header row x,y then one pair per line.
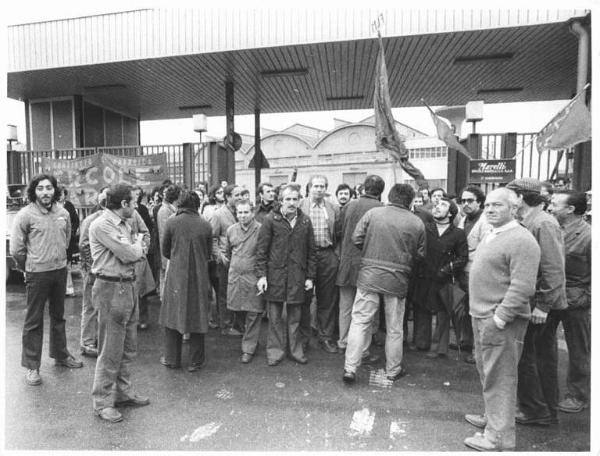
x,y
502,270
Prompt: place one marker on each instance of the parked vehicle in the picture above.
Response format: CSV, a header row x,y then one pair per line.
x,y
16,198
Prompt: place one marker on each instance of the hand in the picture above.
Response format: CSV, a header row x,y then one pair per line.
x,y
538,316
500,324
308,284
261,285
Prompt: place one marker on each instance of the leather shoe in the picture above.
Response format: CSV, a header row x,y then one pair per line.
x,y
273,362
69,362
302,360
479,421
435,355
89,350
232,332
195,367
136,400
398,376
480,443
349,377
328,346
246,358
164,362
521,418
110,414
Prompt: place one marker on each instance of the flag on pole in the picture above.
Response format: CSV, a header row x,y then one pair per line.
x,y
572,125
387,137
445,133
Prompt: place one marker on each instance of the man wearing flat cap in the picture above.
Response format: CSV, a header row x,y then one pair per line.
x,y
537,393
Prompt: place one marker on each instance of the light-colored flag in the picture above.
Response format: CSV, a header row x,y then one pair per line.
x,y
445,133
387,137
571,126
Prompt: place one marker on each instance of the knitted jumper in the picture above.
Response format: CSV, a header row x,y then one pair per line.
x,y
503,275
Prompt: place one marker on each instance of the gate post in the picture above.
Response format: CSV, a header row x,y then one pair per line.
x,y
188,165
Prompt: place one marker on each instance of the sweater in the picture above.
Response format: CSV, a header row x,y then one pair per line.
x,y
503,275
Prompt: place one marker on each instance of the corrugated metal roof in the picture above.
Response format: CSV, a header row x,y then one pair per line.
x,y
153,33
333,74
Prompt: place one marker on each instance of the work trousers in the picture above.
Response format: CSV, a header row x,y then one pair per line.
x,y
225,316
252,332
89,313
117,341
577,325
276,337
538,372
421,327
42,286
173,343
347,295
364,309
441,334
326,293
497,353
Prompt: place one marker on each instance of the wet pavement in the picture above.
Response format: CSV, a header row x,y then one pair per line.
x,y
237,407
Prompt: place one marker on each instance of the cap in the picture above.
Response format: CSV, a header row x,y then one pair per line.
x,y
527,184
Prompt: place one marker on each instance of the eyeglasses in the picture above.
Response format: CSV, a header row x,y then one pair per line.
x,y
467,200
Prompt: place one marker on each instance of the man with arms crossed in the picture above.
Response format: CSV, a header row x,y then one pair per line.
x,y
502,280
114,254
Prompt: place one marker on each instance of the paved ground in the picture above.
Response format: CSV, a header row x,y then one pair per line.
x,y
230,406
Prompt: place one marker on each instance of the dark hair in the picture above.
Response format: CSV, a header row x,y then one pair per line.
x,y
35,182
166,183
154,191
245,191
479,195
172,193
444,195
212,198
229,190
532,199
343,187
453,211
262,185
402,194
188,200
62,189
576,199
141,194
116,194
244,202
373,185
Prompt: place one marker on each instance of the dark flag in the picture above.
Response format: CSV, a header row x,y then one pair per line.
x,y
387,137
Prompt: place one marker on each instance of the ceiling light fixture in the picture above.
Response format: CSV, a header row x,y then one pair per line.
x,y
484,58
190,107
348,98
500,90
284,72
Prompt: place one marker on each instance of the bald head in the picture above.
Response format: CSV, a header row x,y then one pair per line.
x,y
501,206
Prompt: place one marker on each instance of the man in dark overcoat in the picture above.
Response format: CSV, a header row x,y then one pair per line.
x,y
186,244
285,268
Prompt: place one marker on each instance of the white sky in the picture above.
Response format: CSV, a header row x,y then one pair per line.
x,y
516,117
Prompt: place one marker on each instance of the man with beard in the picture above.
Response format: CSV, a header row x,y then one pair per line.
x,y
475,227
285,267
445,257
38,244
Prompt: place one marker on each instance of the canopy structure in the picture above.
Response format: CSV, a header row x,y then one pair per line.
x,y
160,64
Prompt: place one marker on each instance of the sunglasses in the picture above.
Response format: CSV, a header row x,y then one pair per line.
x,y
467,201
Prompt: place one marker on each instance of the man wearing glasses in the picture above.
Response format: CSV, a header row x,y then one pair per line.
x,y
475,227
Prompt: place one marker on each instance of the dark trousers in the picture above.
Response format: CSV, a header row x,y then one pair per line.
x,y
326,293
421,327
223,313
276,337
173,341
42,286
537,392
144,310
577,325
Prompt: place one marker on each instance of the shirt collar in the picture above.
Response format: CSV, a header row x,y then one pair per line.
x,y
572,225
43,210
317,204
533,213
113,217
508,226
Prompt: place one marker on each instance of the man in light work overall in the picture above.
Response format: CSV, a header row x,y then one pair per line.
x,y
38,244
114,254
